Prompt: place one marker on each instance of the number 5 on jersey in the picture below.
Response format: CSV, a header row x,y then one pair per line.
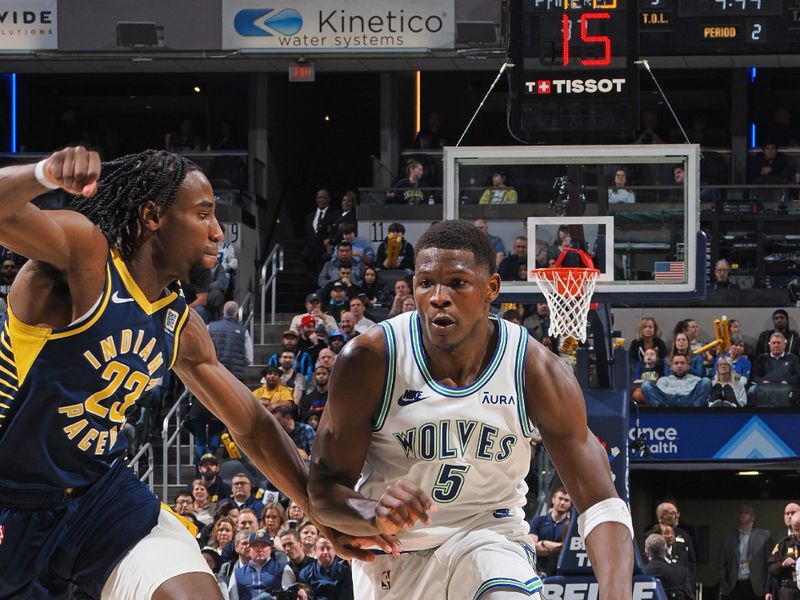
x,y
449,482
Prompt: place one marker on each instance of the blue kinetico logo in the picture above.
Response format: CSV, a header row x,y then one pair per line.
x,y
260,22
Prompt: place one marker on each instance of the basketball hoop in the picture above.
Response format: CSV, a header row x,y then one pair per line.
x,y
568,291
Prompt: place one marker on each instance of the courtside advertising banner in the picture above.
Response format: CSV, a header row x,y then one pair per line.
x,y
353,25
28,25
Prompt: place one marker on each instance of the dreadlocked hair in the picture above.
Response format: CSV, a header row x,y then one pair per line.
x,y
127,183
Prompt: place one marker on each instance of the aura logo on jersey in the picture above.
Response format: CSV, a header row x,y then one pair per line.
x,y
255,22
540,87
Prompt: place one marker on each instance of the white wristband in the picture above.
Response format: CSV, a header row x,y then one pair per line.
x,y
42,178
608,510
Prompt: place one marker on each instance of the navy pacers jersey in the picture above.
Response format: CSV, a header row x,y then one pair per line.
x,y
64,392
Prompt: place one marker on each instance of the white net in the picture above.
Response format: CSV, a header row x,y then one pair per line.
x,y
568,293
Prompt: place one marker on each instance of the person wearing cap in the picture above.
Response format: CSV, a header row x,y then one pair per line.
x,y
338,302
780,323
323,322
301,434
345,278
316,398
209,472
262,574
309,340
272,392
344,253
499,193
336,341
302,360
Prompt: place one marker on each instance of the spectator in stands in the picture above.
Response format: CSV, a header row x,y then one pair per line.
x,y
317,234
221,534
777,366
232,341
741,364
262,574
770,167
677,552
538,323
362,249
347,218
743,558
680,345
735,329
209,472
309,341
346,279
401,291
648,335
722,270
308,537
409,304
509,266
357,308
298,560
619,193
206,427
780,324
667,514
323,322
338,302
647,369
301,434
243,494
499,246
329,577
430,137
782,562
499,193
562,239
408,190
184,501
394,252
326,357
344,258
291,377
548,530
241,543
247,520
272,392
678,389
8,273
348,326
303,362
228,257
336,341
692,330
674,578
727,388
316,398
649,133
202,507
370,286
273,520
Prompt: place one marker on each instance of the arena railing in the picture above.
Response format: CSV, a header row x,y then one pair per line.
x,y
171,430
272,265
147,476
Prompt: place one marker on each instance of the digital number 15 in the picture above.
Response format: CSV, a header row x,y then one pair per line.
x,y
604,40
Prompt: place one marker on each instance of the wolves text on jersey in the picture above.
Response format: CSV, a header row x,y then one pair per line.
x,y
453,439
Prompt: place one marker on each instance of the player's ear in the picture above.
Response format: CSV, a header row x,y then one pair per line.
x,y
493,287
149,215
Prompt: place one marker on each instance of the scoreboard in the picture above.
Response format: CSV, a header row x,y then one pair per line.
x,y
573,68
718,27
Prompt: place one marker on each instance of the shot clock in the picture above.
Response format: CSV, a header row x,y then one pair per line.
x,y
574,67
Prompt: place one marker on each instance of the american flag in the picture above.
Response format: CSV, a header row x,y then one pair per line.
x,y
669,270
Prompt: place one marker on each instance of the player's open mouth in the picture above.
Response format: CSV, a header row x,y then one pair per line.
x,y
443,321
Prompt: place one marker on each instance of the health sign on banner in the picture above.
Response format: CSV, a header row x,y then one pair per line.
x,y
29,25
718,435
325,25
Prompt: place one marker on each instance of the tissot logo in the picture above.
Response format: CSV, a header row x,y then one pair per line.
x,y
576,86
258,22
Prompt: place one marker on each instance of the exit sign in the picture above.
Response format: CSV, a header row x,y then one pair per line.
x,y
303,71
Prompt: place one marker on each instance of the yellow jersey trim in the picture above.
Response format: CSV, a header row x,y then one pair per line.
x,y
134,290
80,328
178,331
191,527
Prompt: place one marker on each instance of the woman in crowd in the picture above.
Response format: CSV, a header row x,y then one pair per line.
x,y
648,335
618,193
563,238
409,304
273,520
499,193
680,345
221,534
727,389
370,286
203,508
308,537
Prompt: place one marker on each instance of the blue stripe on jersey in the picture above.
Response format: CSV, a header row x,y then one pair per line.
x,y
529,587
391,368
459,392
519,378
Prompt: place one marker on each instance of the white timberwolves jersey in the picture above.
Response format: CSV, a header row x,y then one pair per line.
x,y
467,447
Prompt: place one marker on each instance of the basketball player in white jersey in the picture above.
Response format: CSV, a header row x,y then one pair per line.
x,y
425,440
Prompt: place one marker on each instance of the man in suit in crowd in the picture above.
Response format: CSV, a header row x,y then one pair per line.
x,y
743,558
674,578
317,234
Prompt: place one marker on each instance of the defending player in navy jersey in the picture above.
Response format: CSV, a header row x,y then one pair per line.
x,y
96,318
428,445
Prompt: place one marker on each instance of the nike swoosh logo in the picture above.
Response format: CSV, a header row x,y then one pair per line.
x,y
117,300
404,402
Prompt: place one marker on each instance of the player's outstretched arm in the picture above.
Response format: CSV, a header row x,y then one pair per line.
x,y
257,432
555,403
48,236
343,437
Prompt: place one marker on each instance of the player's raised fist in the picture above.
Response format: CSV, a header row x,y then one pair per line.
x,y
74,169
